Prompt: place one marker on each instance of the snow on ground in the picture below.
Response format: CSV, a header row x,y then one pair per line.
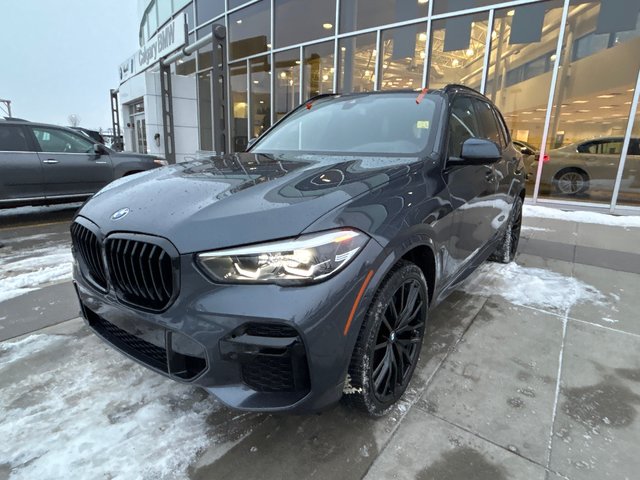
x,y
26,270
530,287
580,216
41,209
71,407
527,228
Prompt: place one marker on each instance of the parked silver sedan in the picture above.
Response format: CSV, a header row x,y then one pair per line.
x,y
587,165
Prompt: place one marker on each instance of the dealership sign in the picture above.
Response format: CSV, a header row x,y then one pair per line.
x,y
170,37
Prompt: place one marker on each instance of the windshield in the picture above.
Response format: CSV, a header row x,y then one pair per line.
x,y
368,124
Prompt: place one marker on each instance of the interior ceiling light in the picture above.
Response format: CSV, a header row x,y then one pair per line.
x,y
510,13
580,101
422,37
327,26
607,95
239,21
423,1
469,52
606,106
455,62
584,111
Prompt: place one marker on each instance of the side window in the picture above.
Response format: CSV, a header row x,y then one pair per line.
x,y
487,121
602,147
462,124
504,135
58,141
613,147
12,139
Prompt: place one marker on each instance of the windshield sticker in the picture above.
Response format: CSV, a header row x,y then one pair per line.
x,y
422,124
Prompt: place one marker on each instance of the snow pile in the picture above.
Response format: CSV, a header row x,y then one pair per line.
x,y
29,270
84,411
579,216
530,287
41,209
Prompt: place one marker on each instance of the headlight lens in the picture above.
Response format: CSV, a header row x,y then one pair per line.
x,y
305,259
161,162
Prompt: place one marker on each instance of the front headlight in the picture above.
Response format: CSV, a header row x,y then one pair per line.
x,y
305,259
160,161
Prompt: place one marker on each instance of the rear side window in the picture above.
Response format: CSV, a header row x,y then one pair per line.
x,y
487,121
12,139
463,124
59,141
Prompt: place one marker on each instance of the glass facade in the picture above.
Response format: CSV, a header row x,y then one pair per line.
x,y
563,72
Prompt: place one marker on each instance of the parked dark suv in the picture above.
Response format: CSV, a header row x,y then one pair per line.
x,y
46,164
302,271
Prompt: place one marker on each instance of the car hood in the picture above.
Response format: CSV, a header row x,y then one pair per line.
x,y
237,199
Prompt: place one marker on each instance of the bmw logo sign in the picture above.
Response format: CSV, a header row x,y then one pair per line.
x,y
120,214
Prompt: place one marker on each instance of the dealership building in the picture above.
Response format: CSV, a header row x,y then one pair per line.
x,y
210,75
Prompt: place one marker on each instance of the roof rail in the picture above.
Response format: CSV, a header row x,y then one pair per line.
x,y
453,86
15,119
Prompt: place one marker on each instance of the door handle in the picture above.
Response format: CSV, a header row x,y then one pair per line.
x,y
50,161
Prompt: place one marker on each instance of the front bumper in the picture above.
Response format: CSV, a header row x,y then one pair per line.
x,y
256,347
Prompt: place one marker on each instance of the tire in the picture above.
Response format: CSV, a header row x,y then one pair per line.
x,y
571,181
389,341
508,246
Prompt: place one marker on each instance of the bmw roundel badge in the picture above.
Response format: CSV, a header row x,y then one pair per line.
x,y
117,215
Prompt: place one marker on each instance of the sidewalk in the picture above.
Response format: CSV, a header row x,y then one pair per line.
x,y
529,371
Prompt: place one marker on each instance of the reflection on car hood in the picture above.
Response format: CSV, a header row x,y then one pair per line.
x,y
238,199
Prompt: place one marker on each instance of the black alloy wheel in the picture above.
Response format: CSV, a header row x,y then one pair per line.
x,y
388,347
516,226
507,248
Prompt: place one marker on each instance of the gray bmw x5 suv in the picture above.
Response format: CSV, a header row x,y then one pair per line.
x,y
44,164
302,271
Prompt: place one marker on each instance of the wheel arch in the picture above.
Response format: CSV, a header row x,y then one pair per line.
x,y
423,256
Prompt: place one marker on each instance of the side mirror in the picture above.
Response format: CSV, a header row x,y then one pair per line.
x,y
99,149
477,151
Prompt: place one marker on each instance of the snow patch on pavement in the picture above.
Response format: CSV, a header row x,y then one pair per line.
x,y
580,216
531,287
40,209
527,228
29,270
85,411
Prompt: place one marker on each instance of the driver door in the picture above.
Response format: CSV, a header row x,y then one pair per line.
x,y
70,166
473,189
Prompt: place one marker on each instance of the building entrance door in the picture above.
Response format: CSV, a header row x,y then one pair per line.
x,y
138,124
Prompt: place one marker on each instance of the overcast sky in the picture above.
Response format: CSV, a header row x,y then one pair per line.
x,y
59,57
